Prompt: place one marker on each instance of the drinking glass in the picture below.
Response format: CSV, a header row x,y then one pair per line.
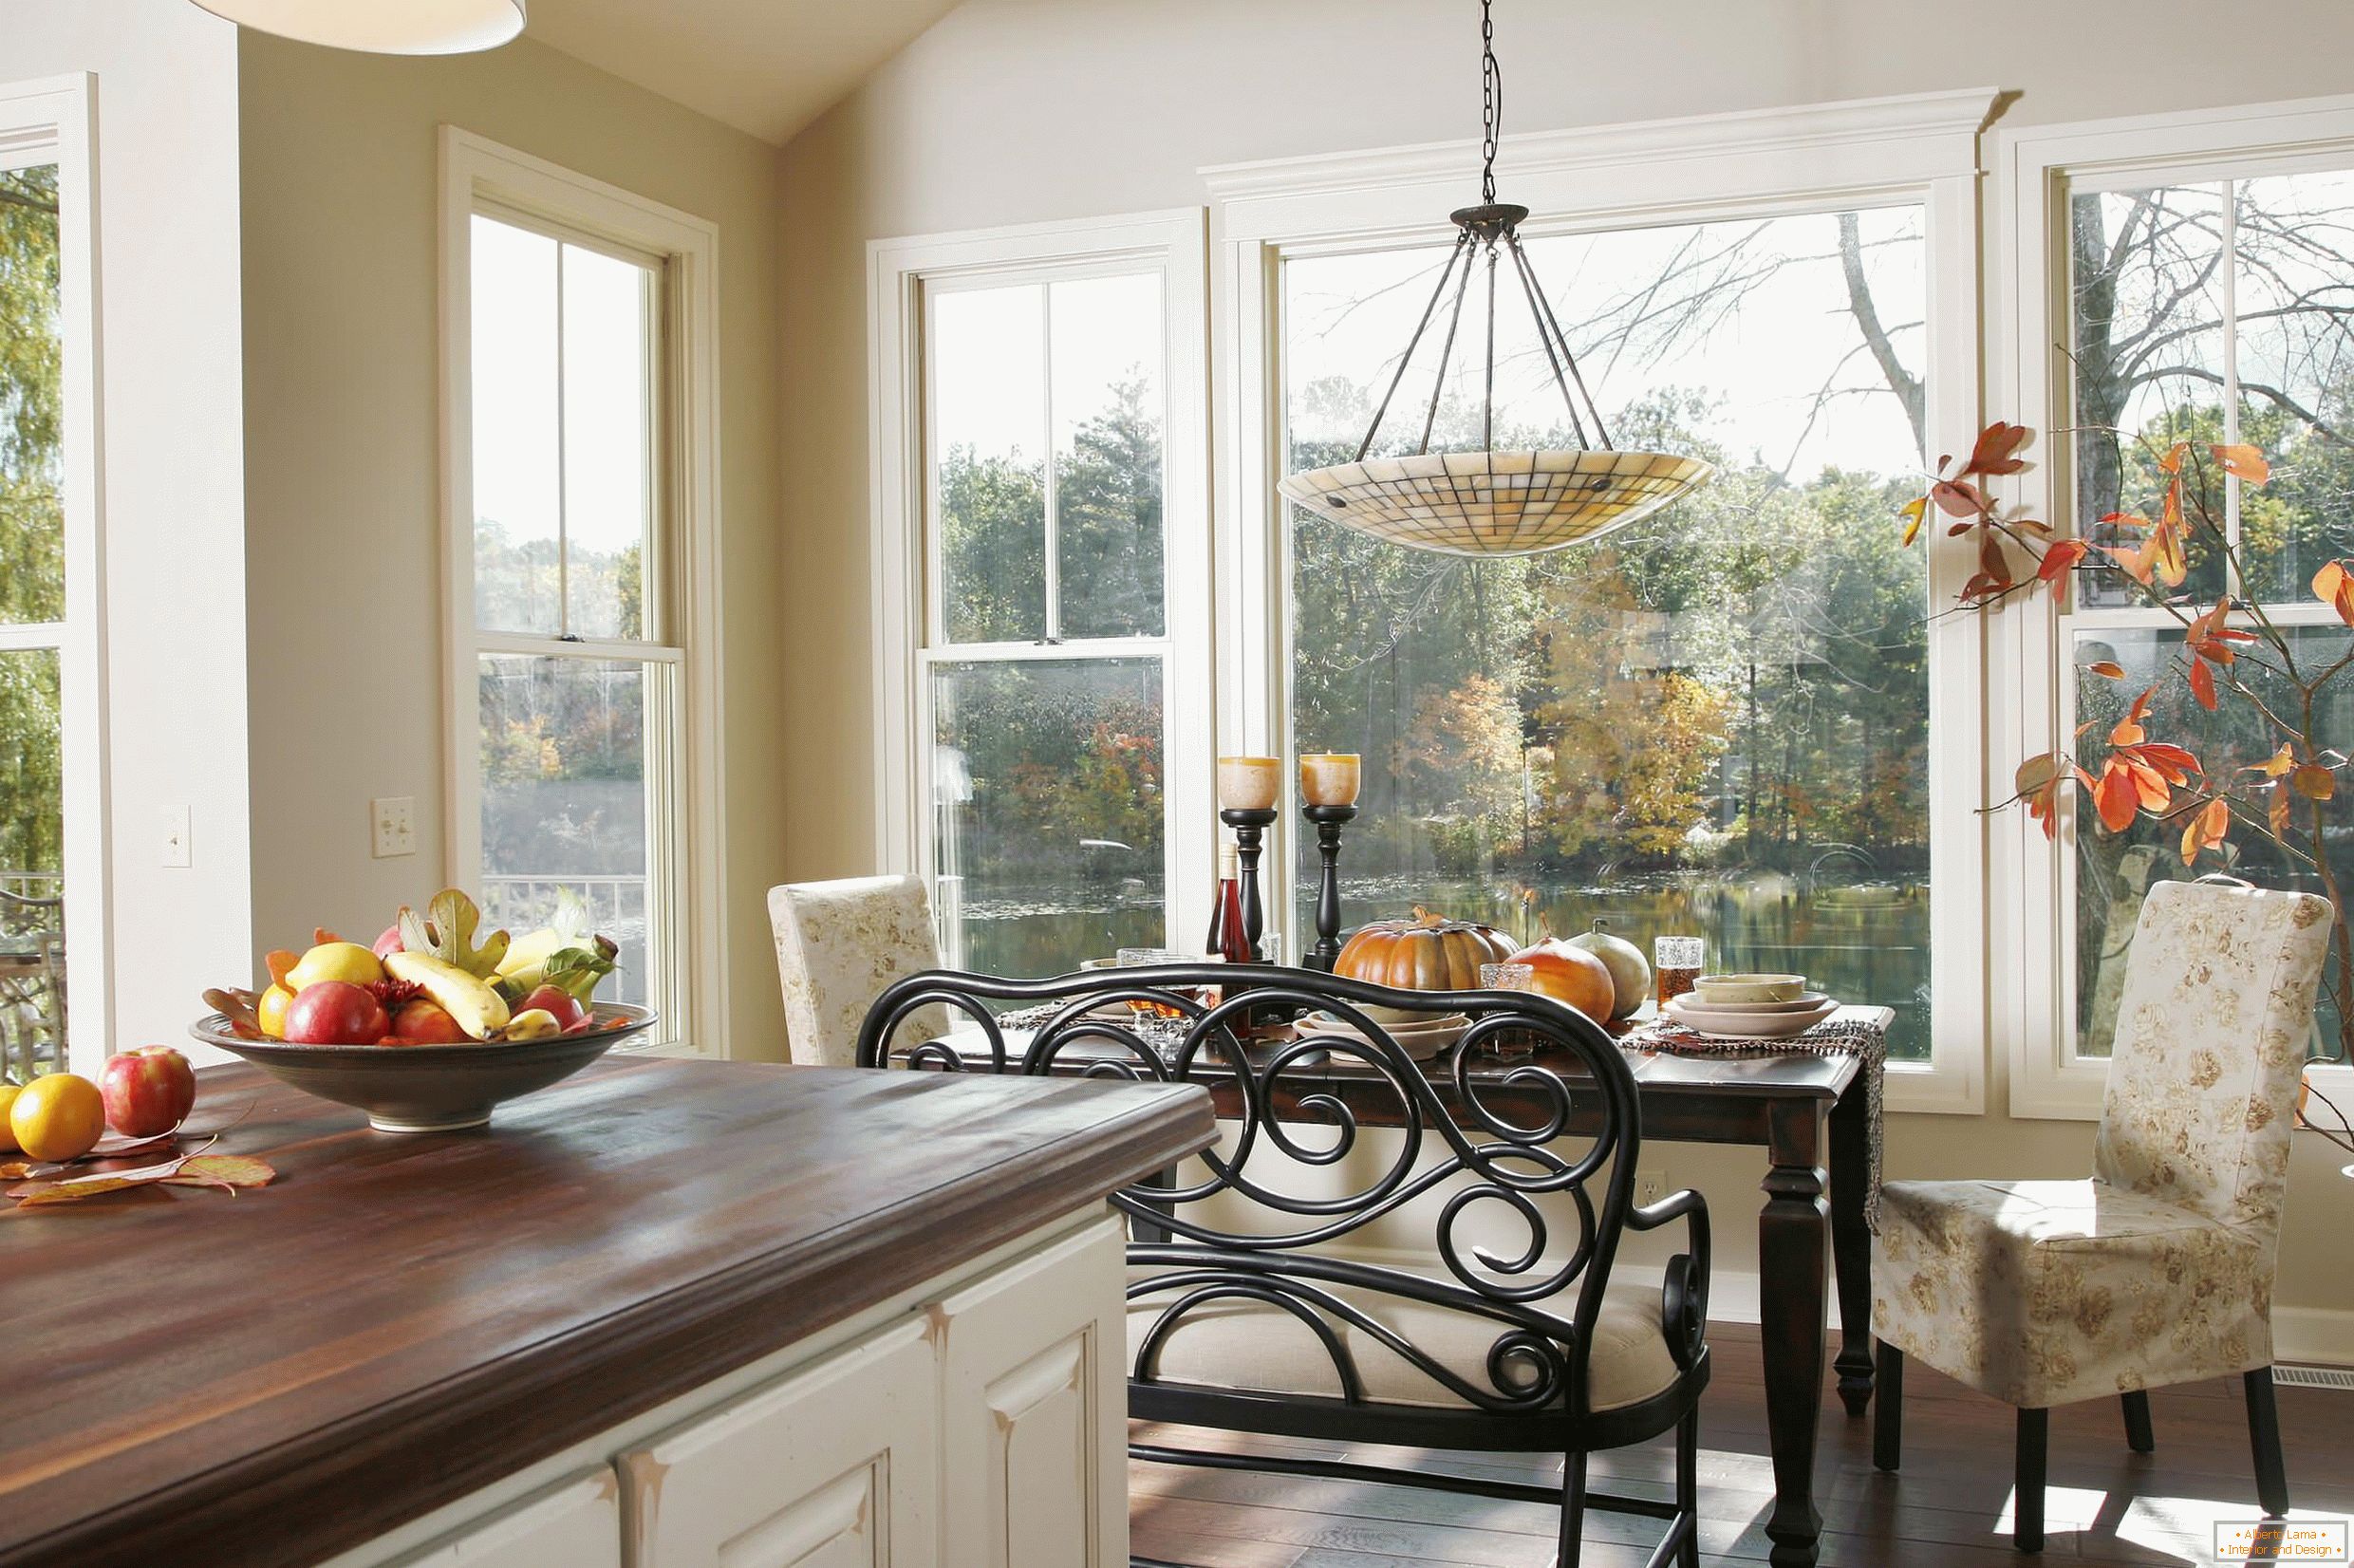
x,y
1676,962
1136,958
1508,977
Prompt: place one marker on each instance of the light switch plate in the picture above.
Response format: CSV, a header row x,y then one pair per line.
x,y
392,826
175,852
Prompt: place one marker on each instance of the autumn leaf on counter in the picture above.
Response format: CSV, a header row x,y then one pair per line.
x,y
228,1172
2244,463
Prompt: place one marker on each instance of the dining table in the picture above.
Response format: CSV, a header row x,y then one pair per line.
x,y
1810,1114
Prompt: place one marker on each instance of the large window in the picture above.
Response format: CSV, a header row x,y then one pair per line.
x,y
2204,310
1060,535
1715,722
33,628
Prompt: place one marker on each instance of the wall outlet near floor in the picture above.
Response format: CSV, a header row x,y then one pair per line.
x,y
1650,1186
393,825
175,837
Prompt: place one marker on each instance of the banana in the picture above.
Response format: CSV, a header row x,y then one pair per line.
x,y
480,1011
525,962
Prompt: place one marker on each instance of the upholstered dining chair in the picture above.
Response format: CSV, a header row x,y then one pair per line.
x,y
839,945
2159,1268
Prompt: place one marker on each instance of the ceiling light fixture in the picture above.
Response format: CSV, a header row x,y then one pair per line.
x,y
381,27
1489,502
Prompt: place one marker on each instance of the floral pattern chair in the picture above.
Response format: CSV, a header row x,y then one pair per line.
x,y
2159,1268
841,945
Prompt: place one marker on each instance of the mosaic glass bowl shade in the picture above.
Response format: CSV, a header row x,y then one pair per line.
x,y
1495,503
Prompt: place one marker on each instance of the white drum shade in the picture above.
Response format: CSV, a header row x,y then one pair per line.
x,y
381,27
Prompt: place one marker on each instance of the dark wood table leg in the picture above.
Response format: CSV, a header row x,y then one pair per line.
x,y
1793,1249
1141,1231
1851,1244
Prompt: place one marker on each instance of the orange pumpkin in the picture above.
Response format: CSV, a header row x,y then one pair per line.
x,y
1427,953
1568,973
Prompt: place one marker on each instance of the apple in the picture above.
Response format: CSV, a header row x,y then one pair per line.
x,y
426,1022
559,1005
389,942
148,1092
335,1013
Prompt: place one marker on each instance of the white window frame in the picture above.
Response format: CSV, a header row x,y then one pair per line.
x,y
1919,149
52,121
2031,706
684,760
901,275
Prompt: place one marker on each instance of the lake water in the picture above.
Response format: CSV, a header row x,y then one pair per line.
x,y
1861,942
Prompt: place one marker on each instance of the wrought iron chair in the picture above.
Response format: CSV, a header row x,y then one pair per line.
x,y
1246,1310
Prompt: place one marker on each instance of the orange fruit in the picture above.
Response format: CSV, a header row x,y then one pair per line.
x,y
8,1098
270,1011
58,1117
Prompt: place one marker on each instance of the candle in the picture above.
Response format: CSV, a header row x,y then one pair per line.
x,y
1330,778
1249,783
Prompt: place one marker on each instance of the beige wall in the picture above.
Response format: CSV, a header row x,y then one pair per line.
x,y
1011,111
342,450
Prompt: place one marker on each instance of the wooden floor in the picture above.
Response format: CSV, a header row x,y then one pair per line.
x,y
1948,1509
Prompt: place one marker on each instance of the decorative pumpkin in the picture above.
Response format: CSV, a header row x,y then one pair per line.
x,y
1568,973
1427,953
1630,971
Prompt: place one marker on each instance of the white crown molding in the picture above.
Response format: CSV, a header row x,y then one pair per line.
x,y
1924,131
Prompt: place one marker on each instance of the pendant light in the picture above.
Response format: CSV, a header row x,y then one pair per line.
x,y
1489,502
381,27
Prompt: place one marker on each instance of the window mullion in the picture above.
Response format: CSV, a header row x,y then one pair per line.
x,y
1053,522
2231,362
564,465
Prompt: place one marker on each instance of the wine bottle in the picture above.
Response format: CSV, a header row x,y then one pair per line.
x,y
1215,945
1234,944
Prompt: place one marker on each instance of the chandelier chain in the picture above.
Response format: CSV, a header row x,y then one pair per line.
x,y
1491,101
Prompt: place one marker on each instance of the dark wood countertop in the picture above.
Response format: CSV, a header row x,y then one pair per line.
x,y
196,1378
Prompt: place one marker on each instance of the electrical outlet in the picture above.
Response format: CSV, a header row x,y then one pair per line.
x,y
393,822
175,837
1650,1186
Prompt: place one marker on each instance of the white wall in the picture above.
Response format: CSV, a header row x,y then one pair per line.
x,y
342,458
1013,111
173,497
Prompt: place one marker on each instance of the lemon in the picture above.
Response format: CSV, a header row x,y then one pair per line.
x,y
270,1011
58,1117
8,1098
335,960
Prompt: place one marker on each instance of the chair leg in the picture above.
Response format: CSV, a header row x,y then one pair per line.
x,y
1573,1509
1887,1408
2264,1437
2027,1532
1687,1487
2139,1437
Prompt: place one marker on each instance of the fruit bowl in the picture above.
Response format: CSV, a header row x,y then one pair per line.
x,y
430,1088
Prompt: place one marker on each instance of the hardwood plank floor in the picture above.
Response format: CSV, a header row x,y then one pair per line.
x,y
1950,1508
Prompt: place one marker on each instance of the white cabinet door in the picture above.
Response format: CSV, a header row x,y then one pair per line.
x,y
574,1524
1034,1410
833,1467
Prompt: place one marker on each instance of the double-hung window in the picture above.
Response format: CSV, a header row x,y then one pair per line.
x,y
1045,575
574,539
2196,286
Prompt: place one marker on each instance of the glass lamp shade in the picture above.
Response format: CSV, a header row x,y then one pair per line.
x,y
381,27
1495,503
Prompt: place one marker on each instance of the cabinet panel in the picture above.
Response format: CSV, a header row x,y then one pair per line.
x,y
1033,1403
574,1524
833,1467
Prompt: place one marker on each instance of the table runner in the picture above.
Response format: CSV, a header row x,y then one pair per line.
x,y
1845,1034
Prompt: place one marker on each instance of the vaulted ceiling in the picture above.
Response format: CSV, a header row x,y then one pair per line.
x,y
766,67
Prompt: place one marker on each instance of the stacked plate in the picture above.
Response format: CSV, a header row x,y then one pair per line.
x,y
1750,1007
1422,1036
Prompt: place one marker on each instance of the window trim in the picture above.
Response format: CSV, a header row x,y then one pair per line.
x,y
478,174
1920,148
900,271
2030,700
53,120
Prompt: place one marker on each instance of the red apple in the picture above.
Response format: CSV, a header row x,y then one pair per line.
x,y
389,942
148,1092
335,1013
423,1022
564,1007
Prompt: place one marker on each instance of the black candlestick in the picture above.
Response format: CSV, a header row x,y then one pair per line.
x,y
1329,821
1249,823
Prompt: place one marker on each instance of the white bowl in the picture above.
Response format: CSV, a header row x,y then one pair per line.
x,y
1721,989
1803,1002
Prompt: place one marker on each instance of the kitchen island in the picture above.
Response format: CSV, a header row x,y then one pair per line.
x,y
661,1313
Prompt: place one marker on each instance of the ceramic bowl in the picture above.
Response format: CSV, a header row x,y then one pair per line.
x,y
429,1088
1738,990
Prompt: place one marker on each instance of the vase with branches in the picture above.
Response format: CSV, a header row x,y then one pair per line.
x,y
2229,652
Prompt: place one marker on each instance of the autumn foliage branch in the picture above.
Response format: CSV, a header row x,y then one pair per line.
x,y
2127,773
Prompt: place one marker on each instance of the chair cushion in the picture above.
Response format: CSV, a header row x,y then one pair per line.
x,y
2045,1292
1243,1344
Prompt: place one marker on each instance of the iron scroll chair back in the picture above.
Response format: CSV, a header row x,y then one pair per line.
x,y
1542,1145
